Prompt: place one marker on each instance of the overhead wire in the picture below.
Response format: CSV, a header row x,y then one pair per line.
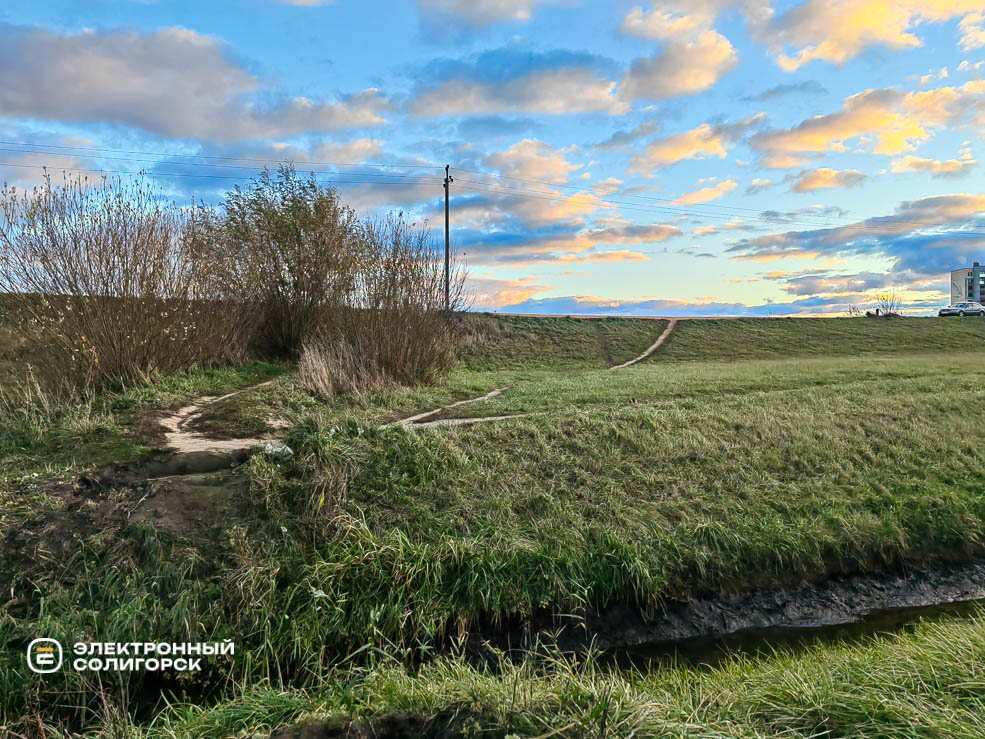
x,y
650,204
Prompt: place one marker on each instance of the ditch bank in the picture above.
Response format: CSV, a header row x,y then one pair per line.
x,y
702,629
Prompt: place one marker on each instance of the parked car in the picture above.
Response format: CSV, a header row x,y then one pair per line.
x,y
968,308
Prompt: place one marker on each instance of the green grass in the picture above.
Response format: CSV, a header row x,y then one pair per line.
x,y
43,437
498,342
669,479
761,338
928,683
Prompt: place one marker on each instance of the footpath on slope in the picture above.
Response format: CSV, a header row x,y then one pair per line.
x,y
417,421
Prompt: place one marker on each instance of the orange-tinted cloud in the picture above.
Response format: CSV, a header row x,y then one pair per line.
x,y
704,141
890,121
621,255
825,177
937,168
706,194
839,30
491,292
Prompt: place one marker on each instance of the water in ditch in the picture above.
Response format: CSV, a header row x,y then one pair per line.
x,y
713,650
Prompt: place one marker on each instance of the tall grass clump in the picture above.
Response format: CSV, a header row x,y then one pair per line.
x,y
108,286
392,326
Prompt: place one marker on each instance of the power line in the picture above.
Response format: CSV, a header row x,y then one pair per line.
x,y
665,210
417,180
671,208
409,179
206,156
758,211
201,164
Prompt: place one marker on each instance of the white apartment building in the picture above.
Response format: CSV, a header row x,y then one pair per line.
x,y
968,283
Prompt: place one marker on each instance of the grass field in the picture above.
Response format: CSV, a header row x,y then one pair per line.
x,y
757,338
927,683
742,455
517,342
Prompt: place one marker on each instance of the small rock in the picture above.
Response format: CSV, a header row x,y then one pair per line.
x,y
283,451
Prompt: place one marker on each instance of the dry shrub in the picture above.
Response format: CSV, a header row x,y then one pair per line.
x,y
330,367
293,242
108,286
393,327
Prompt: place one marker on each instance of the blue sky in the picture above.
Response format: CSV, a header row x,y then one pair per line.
x,y
675,158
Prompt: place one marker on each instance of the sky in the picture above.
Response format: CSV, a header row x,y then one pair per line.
x,y
705,157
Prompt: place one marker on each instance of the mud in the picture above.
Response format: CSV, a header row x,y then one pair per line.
x,y
839,601
385,727
186,495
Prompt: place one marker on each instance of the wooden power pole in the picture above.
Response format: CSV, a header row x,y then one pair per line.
x,y
448,180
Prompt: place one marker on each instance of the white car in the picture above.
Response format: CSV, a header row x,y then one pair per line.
x,y
968,308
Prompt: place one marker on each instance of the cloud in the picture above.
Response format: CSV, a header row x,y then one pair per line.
x,y
925,235
622,255
887,120
510,81
494,204
704,231
704,141
839,30
28,169
758,185
693,56
557,242
705,194
973,31
633,234
475,13
491,292
948,168
494,126
587,305
622,139
174,82
826,177
533,159
828,284
807,87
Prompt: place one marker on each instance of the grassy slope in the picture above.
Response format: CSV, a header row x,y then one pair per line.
x,y
921,684
665,483
759,338
515,342
666,479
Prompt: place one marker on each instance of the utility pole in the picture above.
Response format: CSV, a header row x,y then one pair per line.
x,y
448,180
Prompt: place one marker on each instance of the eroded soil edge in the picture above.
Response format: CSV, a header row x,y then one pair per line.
x,y
835,601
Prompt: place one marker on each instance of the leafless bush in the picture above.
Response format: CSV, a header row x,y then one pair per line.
x,y
889,304
393,326
107,287
293,242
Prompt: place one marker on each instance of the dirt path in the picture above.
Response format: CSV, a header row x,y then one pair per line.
x,y
416,419
183,441
652,348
